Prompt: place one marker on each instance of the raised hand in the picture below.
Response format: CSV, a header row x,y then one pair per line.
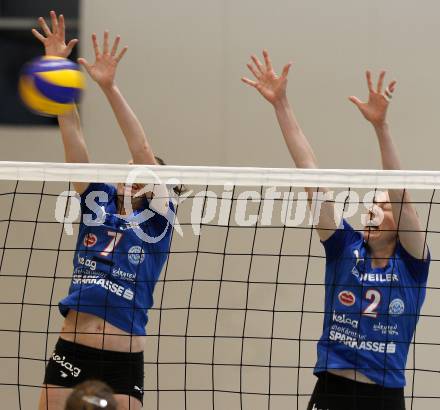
x,y
271,86
54,39
375,110
103,71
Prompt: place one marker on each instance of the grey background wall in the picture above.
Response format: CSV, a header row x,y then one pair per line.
x,y
182,77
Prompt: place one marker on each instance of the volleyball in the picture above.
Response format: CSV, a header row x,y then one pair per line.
x,y
51,85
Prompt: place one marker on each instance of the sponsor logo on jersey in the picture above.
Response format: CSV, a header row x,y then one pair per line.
x,y
88,263
119,273
73,370
106,284
390,330
345,320
128,294
397,307
136,255
347,298
366,345
355,270
391,348
357,255
371,277
90,240
375,277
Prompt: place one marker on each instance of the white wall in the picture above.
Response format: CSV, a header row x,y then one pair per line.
x,y
182,77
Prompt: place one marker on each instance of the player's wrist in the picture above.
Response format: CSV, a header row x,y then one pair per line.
x,y
49,52
53,53
281,103
109,88
380,126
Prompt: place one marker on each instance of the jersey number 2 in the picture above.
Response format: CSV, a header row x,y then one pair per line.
x,y
374,297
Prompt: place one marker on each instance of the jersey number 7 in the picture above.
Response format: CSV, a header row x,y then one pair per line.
x,y
115,239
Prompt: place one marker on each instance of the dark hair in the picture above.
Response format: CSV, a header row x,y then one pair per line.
x,y
91,395
178,189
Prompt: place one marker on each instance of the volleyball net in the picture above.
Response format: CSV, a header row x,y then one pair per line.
x,y
239,305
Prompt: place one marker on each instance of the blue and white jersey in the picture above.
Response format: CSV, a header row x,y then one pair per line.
x,y
370,313
117,261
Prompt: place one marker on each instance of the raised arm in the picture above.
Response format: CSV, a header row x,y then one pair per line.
x,y
75,148
405,215
273,88
103,71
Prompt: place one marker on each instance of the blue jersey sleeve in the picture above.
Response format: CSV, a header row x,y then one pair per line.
x,y
342,237
418,268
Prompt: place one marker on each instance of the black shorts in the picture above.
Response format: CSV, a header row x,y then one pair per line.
x,y
72,363
338,393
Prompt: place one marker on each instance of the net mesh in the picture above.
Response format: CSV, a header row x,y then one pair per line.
x,y
239,304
